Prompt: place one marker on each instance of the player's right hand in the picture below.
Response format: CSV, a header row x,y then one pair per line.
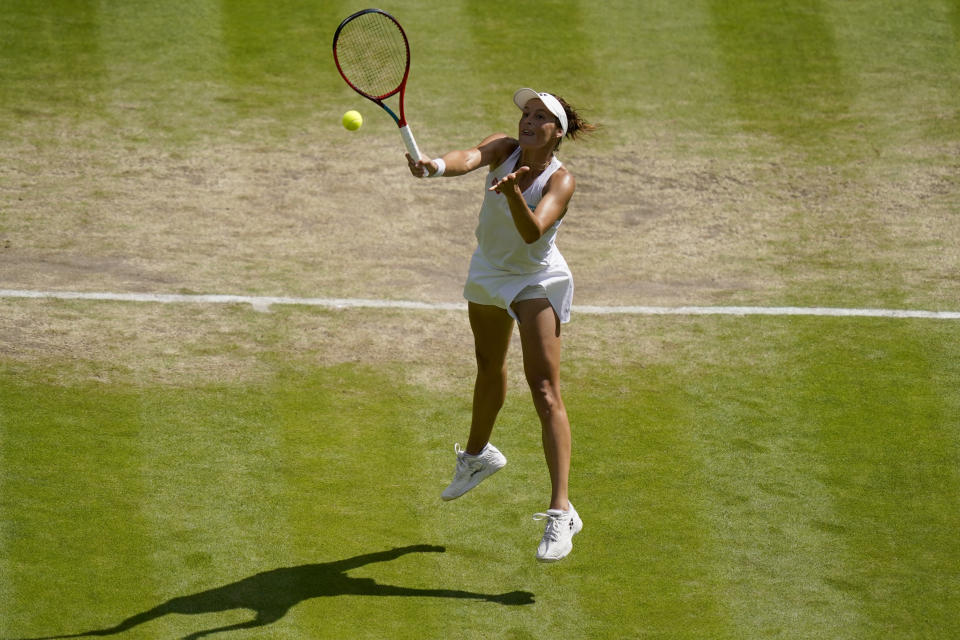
x,y
421,168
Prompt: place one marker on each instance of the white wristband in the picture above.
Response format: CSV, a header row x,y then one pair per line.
x,y
441,167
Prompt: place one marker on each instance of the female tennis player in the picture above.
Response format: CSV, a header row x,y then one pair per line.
x,y
517,274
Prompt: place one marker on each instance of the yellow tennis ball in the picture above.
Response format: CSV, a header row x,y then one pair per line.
x,y
352,120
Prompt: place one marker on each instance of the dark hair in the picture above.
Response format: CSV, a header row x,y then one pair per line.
x,y
576,125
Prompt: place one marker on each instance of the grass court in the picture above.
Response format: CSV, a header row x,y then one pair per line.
x,y
191,470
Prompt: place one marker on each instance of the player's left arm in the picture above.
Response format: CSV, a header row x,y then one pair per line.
x,y
552,206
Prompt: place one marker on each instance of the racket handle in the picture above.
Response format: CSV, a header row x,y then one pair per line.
x,y
411,144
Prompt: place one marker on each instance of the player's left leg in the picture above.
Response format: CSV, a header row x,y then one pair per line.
x,y
540,339
542,346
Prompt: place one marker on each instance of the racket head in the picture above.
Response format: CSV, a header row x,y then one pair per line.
x,y
372,53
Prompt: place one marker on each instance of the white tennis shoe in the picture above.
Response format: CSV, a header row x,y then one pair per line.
x,y
471,470
558,535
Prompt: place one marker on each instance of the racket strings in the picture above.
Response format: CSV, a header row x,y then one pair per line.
x,y
372,53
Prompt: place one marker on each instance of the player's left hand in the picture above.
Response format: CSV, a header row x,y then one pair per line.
x,y
509,181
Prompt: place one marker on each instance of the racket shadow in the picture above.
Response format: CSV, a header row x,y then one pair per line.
x,y
271,594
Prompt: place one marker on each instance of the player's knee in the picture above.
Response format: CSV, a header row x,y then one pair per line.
x,y
546,394
490,366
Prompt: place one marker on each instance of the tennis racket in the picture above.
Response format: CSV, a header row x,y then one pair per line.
x,y
373,56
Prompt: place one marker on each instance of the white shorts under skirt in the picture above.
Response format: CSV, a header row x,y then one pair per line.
x,y
491,286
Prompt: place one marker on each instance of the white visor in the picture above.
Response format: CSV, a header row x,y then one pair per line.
x,y
523,96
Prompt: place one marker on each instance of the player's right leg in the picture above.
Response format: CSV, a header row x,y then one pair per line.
x,y
492,328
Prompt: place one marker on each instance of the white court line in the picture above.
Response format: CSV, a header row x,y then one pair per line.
x,y
772,311
263,303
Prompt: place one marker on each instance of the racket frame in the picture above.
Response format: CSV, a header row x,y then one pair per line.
x,y
401,120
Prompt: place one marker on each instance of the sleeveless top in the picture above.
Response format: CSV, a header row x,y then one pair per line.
x,y
497,237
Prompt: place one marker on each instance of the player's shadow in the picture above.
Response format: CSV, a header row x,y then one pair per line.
x,y
271,594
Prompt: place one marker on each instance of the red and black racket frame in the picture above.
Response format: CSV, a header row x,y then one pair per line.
x,y
401,120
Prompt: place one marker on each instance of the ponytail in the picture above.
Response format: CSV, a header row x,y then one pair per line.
x,y
576,125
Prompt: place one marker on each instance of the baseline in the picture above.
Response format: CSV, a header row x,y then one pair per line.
x,y
263,303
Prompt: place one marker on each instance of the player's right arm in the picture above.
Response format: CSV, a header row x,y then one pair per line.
x,y
491,151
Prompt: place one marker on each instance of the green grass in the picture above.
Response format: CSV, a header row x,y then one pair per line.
x,y
779,478
738,477
817,75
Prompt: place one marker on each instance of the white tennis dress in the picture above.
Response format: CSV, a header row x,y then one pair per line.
x,y
504,265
